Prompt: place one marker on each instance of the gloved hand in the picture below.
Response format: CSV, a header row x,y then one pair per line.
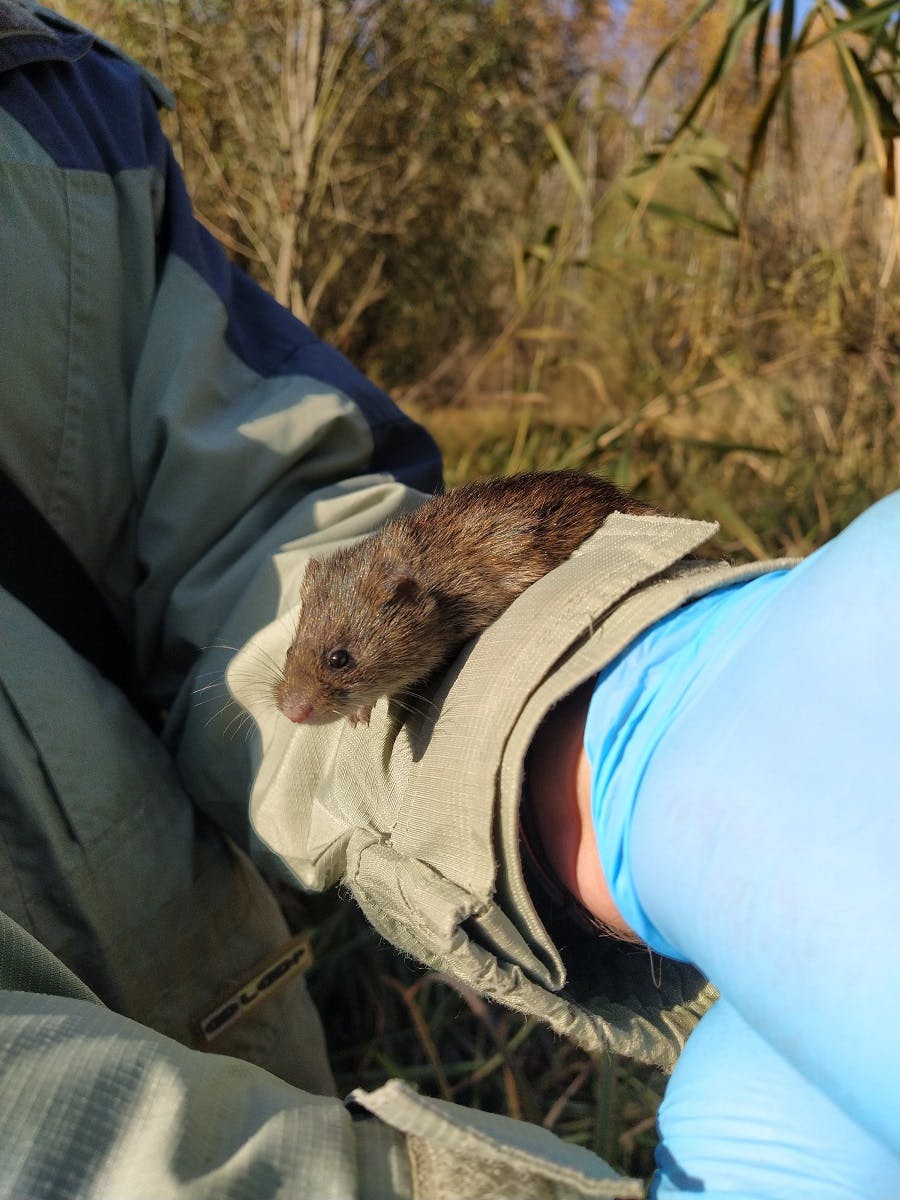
x,y
417,813
739,1118
760,842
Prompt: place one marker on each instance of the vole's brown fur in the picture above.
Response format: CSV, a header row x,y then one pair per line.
x,y
399,604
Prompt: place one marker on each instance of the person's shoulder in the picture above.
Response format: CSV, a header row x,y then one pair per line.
x,y
32,33
71,99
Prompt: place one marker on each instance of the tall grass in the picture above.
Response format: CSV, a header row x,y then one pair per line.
x,y
752,378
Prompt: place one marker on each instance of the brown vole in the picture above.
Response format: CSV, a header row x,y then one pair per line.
x,y
385,613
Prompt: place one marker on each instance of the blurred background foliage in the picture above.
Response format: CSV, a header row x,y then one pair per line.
x,y
656,238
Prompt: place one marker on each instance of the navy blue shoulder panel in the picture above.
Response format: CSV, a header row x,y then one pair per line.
x,y
273,342
92,110
89,109
269,339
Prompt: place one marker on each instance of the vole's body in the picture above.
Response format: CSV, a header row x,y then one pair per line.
x,y
385,613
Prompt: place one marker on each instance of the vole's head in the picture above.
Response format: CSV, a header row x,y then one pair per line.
x,y
363,633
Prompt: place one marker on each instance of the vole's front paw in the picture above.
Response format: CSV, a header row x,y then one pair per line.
x,y
361,715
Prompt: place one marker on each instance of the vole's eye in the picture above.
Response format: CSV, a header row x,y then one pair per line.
x,y
338,659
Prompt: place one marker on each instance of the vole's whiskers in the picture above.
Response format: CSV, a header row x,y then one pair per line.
x,y
252,687
242,721
268,660
256,678
265,663
416,704
215,673
421,698
210,686
220,712
224,703
217,686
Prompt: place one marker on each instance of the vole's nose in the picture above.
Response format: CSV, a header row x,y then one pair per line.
x,y
297,711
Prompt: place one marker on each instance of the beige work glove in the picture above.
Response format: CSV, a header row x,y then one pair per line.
x,y
417,814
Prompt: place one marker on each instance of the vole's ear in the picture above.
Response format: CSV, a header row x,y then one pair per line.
x,y
399,582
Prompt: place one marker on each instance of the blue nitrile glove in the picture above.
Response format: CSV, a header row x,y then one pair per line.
x,y
748,819
739,1120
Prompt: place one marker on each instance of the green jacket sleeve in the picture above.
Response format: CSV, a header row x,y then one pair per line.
x,y
93,1106
189,439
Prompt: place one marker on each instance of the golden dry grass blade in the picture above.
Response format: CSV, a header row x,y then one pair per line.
x,y
718,506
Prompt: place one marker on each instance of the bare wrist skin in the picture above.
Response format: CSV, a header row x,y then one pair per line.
x,y
560,795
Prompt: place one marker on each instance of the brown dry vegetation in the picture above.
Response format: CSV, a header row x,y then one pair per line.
x,y
463,197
